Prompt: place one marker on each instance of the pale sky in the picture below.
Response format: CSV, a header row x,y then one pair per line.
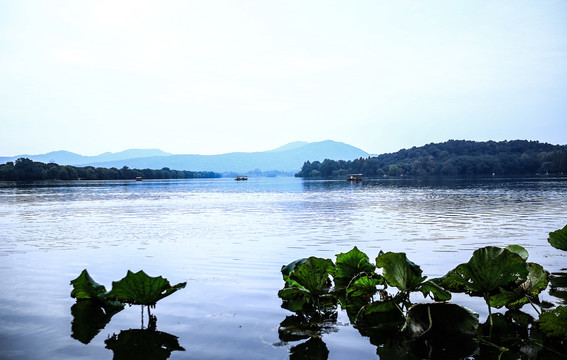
x,y
211,77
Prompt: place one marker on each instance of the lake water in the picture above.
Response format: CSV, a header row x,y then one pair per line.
x,y
228,240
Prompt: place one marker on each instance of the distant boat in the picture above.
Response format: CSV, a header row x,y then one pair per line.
x,y
138,178
240,178
354,177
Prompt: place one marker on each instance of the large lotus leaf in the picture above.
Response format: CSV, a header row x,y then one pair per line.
x,y
313,275
142,344
84,287
364,285
350,264
141,289
433,288
399,271
535,283
89,317
440,319
554,323
558,239
442,330
489,269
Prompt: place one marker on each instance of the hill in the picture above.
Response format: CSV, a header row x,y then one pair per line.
x,y
287,158
454,157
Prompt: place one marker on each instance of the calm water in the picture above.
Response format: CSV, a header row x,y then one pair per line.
x,y
228,240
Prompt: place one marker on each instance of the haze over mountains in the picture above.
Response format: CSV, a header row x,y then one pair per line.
x,y
287,158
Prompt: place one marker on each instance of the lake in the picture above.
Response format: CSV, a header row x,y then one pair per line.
x,y
228,240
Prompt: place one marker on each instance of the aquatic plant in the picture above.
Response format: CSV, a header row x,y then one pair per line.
x,y
502,277
558,239
95,307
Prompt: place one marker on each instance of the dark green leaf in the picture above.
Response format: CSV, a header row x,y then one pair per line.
x,y
365,285
432,288
520,250
289,268
351,264
535,283
84,287
313,275
380,316
435,319
141,289
399,271
489,269
554,323
558,239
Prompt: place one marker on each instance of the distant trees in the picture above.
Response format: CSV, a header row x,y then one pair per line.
x,y
24,169
454,157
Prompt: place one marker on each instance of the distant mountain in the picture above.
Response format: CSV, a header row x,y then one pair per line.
x,y
68,158
287,158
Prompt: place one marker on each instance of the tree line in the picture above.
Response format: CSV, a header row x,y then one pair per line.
x,y
24,169
453,158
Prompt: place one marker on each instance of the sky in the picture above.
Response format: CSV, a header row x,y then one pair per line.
x,y
212,77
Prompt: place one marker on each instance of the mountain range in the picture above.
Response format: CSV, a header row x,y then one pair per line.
x,y
287,158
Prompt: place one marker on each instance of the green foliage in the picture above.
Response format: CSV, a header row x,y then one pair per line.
x,y
439,320
84,287
24,169
399,271
351,264
558,239
454,157
141,289
554,323
489,270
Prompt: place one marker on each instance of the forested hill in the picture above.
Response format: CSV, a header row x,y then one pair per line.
x,y
454,157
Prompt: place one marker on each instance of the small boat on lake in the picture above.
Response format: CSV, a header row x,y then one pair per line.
x,y
138,178
240,178
354,177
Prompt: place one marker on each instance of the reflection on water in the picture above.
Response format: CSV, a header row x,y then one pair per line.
x,y
228,240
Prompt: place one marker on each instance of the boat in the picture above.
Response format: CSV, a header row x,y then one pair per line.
x,y
138,178
354,177
240,178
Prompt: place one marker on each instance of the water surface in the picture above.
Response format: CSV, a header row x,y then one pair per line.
x,y
228,239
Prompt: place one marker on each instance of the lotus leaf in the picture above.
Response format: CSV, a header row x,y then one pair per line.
x,y
84,287
554,323
313,275
364,285
442,330
289,268
489,269
558,239
141,289
399,271
440,319
520,250
535,283
431,287
351,264
380,316
295,299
